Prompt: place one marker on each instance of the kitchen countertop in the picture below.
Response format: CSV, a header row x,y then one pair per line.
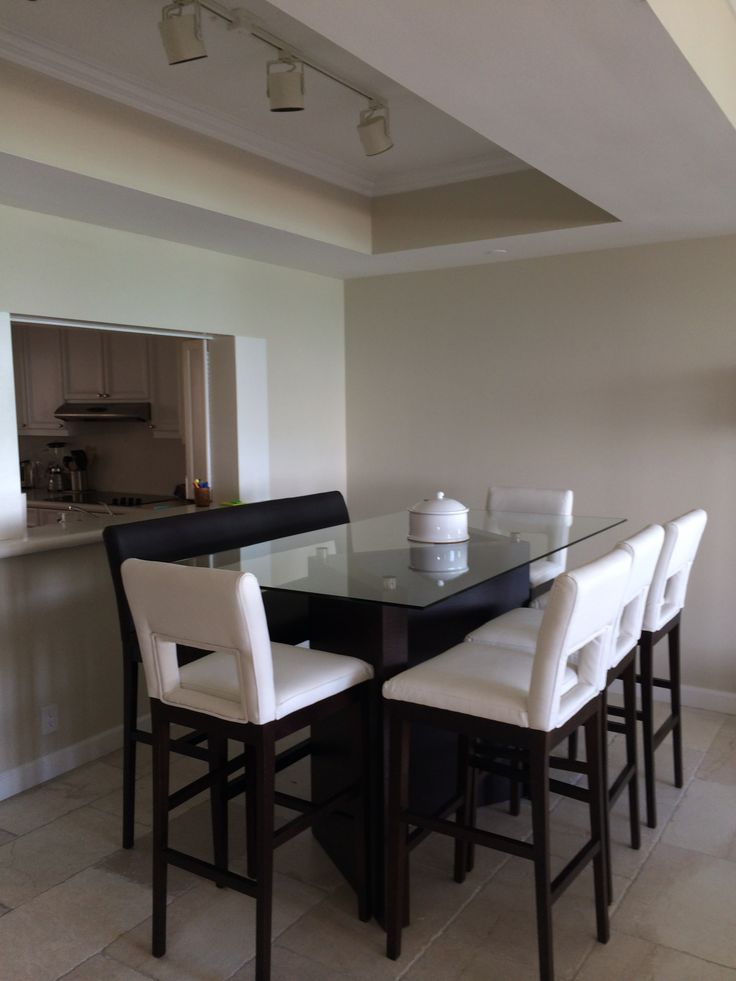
x,y
48,538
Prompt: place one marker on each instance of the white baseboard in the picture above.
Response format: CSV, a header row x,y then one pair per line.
x,y
46,767
692,697
706,698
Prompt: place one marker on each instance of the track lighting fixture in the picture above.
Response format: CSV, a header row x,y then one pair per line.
x,y
285,83
181,33
373,129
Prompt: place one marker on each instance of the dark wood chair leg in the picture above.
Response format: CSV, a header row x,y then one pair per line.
x,y
606,815
628,679
265,753
217,747
675,707
251,799
598,808
397,882
361,743
539,788
465,813
161,748
572,746
130,724
646,665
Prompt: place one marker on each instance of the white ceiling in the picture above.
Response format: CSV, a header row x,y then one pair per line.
x,y
593,93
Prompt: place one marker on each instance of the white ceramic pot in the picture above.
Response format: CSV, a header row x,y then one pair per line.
x,y
438,519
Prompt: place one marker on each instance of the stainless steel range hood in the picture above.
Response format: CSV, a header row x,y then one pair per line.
x,y
104,411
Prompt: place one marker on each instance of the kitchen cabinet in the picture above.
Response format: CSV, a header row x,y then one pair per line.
x,y
38,381
104,365
164,365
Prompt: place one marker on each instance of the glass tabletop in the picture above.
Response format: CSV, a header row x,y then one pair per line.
x,y
373,559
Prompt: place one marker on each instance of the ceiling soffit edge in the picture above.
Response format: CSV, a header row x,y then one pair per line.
x,y
55,62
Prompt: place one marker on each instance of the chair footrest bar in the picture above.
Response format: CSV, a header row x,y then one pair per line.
x,y
617,727
208,871
665,729
293,754
569,790
573,869
476,836
572,766
616,789
617,710
298,824
417,836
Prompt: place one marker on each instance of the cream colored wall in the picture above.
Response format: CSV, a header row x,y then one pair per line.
x,y
57,124
59,641
55,267
613,373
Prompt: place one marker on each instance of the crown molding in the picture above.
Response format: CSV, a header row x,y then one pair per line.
x,y
56,62
53,61
468,170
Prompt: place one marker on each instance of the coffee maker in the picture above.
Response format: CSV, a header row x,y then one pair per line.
x,y
55,473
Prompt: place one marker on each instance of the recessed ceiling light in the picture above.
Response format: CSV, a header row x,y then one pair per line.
x,y
496,252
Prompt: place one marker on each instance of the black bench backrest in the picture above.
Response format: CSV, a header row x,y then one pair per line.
x,y
184,536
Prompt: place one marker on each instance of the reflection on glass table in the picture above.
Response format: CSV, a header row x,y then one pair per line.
x,y
373,559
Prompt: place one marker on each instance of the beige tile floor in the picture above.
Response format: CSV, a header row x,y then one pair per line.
x,y
74,905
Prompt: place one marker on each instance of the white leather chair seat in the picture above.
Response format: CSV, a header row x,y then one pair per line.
x,y
517,628
301,677
489,683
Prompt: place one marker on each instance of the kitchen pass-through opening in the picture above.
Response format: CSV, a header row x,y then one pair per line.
x,y
110,414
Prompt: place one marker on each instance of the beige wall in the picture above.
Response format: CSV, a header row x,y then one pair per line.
x,y
613,373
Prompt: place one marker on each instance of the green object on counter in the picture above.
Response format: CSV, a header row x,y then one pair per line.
x,y
231,504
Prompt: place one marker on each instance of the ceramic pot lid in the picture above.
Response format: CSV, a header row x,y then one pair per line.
x,y
439,504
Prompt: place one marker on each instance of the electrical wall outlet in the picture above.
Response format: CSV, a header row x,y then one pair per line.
x,y
49,719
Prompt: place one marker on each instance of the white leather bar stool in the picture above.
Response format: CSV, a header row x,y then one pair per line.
x,y
536,502
247,689
530,701
518,629
662,617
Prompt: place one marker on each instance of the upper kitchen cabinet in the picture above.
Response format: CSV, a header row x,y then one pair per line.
x,y
104,365
164,361
38,386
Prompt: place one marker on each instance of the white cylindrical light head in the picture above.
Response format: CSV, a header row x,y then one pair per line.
x,y
181,34
373,130
285,85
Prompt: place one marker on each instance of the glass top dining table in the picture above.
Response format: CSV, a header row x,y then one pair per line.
x,y
373,559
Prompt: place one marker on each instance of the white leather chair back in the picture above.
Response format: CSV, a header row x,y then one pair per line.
x,y
211,609
667,593
530,500
557,504
580,618
644,548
